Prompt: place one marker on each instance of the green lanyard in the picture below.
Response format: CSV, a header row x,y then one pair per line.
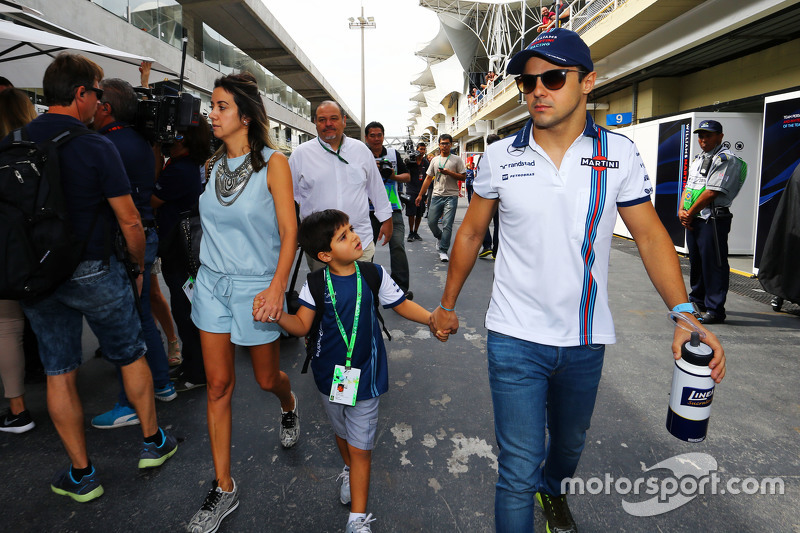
x,y
441,167
352,342
336,153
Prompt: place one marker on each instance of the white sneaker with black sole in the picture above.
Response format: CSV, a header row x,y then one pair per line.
x,y
443,257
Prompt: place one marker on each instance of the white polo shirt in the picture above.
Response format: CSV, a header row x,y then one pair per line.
x,y
551,274
323,181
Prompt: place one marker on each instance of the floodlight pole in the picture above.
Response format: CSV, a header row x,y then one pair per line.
x,y
362,23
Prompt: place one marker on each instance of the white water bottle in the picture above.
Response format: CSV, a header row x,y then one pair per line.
x,y
692,392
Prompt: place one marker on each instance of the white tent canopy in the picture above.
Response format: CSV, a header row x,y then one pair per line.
x,y
25,53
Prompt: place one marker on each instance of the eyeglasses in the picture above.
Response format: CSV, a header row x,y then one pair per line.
x,y
98,92
552,80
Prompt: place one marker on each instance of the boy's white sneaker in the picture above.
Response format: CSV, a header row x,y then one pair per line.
x,y
360,525
344,490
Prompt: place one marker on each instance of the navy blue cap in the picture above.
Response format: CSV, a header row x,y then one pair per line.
x,y
558,46
709,125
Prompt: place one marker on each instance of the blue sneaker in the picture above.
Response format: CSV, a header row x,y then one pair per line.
x,y
119,416
153,455
166,393
88,488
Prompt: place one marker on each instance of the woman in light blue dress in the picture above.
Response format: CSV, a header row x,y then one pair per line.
x,y
246,254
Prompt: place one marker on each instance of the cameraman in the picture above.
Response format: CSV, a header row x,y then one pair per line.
x,y
114,119
392,170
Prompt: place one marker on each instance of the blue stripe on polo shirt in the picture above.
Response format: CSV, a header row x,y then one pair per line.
x,y
594,213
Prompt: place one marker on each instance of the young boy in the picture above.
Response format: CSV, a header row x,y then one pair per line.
x,y
349,367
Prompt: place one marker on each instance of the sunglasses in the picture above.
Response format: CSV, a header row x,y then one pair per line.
x,y
552,80
95,90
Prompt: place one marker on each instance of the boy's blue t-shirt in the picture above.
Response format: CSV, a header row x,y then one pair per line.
x,y
369,353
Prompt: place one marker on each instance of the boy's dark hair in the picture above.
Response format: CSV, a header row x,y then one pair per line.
x,y
316,230
492,138
66,73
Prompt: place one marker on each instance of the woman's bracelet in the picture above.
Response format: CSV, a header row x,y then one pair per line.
x,y
446,309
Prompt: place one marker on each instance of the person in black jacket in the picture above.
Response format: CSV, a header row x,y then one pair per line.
x,y
178,187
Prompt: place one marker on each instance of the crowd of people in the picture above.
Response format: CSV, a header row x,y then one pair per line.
x,y
545,354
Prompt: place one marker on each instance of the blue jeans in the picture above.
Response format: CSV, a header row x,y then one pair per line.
x,y
536,386
100,292
156,356
445,207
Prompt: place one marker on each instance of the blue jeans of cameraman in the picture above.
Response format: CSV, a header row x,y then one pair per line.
x,y
536,386
156,356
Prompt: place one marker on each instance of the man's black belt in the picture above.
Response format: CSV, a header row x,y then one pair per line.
x,y
149,223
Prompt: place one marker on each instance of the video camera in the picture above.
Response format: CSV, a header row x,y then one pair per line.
x,y
385,168
161,117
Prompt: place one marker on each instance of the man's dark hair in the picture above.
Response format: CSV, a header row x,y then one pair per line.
x,y
374,124
317,229
66,73
119,94
446,137
4,82
326,102
422,144
492,138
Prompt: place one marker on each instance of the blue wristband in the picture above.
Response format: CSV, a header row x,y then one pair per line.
x,y
446,309
685,308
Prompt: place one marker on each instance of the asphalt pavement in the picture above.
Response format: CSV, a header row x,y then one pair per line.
x,y
435,459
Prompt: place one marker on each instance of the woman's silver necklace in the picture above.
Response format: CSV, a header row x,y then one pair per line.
x,y
231,183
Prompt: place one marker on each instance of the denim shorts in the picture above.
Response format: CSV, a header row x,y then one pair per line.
x,y
223,303
100,292
357,424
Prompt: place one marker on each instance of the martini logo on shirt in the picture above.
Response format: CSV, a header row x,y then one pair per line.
x,y
599,163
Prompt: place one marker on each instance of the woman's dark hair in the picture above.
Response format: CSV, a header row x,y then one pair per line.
x,y
316,230
197,140
17,110
66,73
244,89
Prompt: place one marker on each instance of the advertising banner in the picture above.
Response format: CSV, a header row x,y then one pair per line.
x,y
672,171
780,154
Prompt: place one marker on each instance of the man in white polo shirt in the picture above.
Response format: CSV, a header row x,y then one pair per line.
x,y
558,185
334,171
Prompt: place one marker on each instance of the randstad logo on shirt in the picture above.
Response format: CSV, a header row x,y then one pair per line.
x,y
599,163
519,164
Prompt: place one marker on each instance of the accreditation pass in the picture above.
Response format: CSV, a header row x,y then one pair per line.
x,y
344,387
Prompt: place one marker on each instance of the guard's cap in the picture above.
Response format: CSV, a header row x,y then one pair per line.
x,y
558,46
709,125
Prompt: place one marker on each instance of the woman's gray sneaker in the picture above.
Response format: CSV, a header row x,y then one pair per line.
x,y
217,506
290,426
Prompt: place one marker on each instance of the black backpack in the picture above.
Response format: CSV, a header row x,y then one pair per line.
x,y
316,285
39,248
